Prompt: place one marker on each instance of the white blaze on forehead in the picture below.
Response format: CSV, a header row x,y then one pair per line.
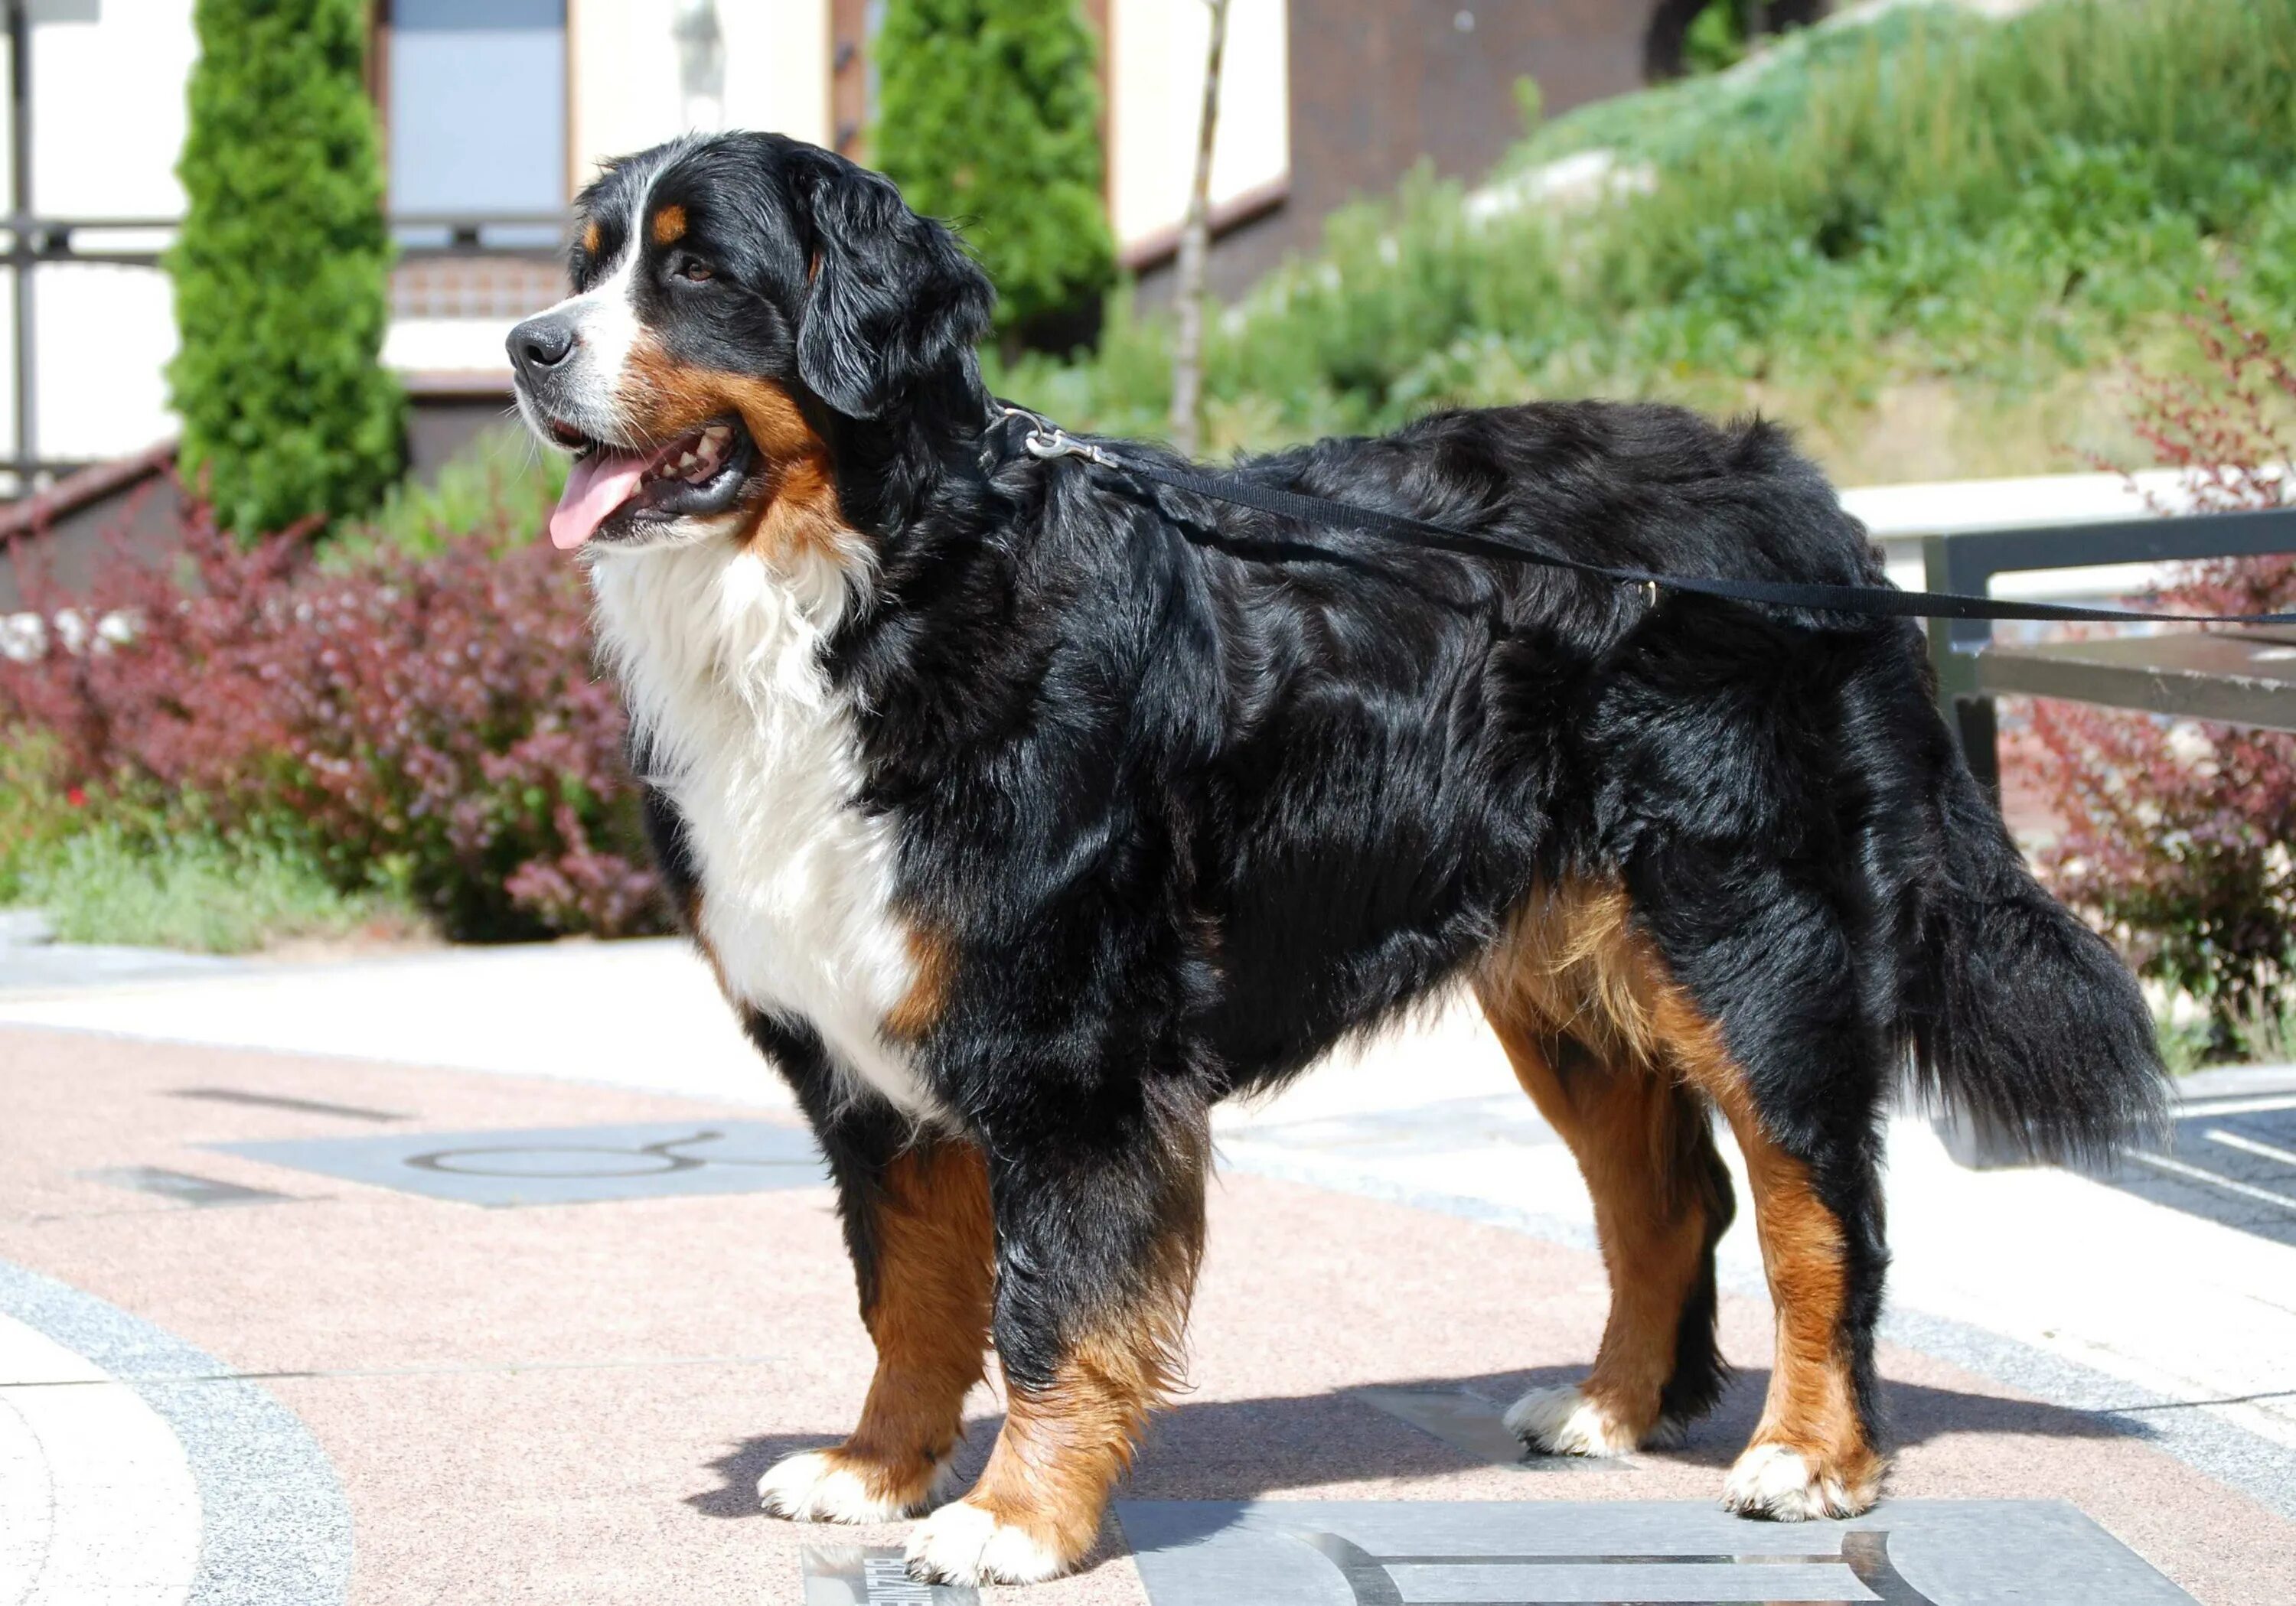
x,y
608,315
605,319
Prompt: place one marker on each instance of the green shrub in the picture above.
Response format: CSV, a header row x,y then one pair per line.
x,y
1717,36
988,112
281,271
499,488
38,810
135,866
200,891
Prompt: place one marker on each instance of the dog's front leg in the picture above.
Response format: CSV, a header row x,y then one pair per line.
x,y
1098,1239
917,1220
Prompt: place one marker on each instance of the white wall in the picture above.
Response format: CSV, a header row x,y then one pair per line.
x,y
1156,61
626,91
107,122
777,67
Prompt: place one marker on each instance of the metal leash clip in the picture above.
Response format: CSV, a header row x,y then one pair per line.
x,y
1048,441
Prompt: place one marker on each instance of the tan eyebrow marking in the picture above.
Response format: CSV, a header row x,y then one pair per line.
x,y
591,237
669,225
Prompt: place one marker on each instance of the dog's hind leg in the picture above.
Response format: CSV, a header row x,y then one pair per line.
x,y
1098,1238
1811,1166
917,1219
1661,1200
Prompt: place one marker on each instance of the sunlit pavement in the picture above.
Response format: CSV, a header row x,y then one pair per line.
x,y
567,1395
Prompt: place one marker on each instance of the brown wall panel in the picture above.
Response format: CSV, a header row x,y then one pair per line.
x,y
1378,86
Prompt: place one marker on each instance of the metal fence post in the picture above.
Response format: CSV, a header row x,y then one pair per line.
x,y
1953,644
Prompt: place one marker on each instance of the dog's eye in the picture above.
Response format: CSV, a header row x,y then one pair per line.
x,y
694,271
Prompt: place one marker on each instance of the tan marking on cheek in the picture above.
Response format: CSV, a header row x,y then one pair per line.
x,y
798,512
689,915
933,958
669,225
592,237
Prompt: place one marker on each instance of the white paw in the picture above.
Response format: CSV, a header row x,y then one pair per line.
x,y
962,1544
1563,1422
814,1486
1773,1481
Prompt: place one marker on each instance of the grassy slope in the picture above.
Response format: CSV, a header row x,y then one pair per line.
x,y
1931,243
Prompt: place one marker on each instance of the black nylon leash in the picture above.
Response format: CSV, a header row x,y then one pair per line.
x,y
1048,441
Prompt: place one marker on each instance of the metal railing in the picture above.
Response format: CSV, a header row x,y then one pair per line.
x,y
34,242
1966,562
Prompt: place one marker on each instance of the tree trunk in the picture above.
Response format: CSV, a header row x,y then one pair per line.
x,y
1195,247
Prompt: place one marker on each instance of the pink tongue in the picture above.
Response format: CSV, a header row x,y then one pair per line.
x,y
595,488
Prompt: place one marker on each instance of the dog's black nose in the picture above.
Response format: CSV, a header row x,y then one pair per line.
x,y
541,344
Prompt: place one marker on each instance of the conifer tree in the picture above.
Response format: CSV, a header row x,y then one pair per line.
x,y
282,269
988,115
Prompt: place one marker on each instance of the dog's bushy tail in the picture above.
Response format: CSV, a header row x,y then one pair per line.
x,y
2020,1014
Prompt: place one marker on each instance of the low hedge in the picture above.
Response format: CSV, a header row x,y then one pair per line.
x,y
420,723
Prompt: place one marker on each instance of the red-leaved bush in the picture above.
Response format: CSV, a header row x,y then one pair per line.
x,y
430,723
2176,834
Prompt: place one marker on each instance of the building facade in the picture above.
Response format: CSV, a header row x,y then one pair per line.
x,y
495,112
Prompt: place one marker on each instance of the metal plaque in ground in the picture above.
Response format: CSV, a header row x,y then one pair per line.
x,y
1904,1553
563,1164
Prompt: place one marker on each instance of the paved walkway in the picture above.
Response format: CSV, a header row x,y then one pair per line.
x,y
570,1402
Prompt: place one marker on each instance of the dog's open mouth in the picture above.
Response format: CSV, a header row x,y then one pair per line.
x,y
613,491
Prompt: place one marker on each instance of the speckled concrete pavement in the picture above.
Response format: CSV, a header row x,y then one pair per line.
x,y
571,1403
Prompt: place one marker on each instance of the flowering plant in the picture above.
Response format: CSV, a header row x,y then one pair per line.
x,y
425,722
2176,833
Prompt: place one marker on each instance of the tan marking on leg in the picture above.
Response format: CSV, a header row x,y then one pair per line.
x,y
1575,963
691,916
1812,1407
669,225
1064,1446
798,512
933,957
1622,1122
935,1242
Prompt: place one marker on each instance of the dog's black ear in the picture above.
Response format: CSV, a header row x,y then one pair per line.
x,y
894,298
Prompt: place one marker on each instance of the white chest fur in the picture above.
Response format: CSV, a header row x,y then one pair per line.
x,y
718,655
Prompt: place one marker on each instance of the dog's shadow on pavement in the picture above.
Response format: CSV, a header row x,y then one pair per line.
x,y
1237,1449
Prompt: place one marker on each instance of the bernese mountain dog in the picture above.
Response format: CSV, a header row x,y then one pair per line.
x,y
1026,810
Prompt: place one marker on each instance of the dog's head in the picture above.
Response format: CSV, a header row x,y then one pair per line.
x,y
734,298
